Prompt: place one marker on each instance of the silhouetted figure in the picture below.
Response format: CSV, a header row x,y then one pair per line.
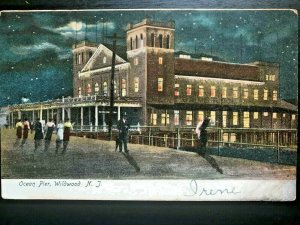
x,y
123,127
19,128
48,130
59,136
26,128
203,137
67,131
38,135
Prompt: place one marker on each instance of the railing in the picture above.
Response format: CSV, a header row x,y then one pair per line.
x,y
178,137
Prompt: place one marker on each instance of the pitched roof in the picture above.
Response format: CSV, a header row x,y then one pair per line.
x,y
201,68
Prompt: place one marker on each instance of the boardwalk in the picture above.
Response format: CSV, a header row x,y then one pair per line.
x,y
97,159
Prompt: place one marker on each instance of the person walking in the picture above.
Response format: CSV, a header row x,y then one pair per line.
x,y
123,127
38,135
203,137
66,135
59,135
26,128
19,128
49,127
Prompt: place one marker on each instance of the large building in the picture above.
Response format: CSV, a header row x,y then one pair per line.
x,y
157,86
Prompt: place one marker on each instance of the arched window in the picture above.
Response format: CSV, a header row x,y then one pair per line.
x,y
79,92
96,88
88,89
136,42
131,43
160,40
168,41
152,40
123,87
142,41
105,88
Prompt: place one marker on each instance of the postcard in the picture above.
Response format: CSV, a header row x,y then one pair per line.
x,y
157,105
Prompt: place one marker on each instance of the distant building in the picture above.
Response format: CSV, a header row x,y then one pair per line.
x,y
157,86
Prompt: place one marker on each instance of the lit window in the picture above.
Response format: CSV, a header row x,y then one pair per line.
x,y
176,117
235,92
267,77
213,91
213,118
283,115
274,115
272,77
246,93
104,60
115,87
79,58
136,61
153,119
255,115
293,116
265,94
188,89
274,95
165,119
200,116
105,88
189,118
160,83
246,120
136,84
79,92
123,87
88,89
224,92
201,91
176,93
96,88
224,118
235,118
255,94
266,114
160,60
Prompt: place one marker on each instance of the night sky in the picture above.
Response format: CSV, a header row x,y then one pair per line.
x,y
36,57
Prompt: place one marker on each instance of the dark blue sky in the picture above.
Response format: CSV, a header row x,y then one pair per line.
x,y
36,59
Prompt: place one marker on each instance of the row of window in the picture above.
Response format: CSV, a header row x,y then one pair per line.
x,y
224,92
165,118
138,41
136,61
79,57
104,89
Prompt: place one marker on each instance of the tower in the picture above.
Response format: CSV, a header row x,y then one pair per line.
x,y
82,52
150,51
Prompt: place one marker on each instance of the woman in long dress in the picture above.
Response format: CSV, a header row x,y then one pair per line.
x,y
38,136
26,128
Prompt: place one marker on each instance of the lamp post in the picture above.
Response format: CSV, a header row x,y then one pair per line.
x,y
114,38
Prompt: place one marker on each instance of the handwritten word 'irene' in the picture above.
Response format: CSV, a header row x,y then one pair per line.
x,y
198,191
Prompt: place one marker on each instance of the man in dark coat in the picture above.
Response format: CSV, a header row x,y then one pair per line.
x,y
38,136
66,136
123,127
26,129
203,135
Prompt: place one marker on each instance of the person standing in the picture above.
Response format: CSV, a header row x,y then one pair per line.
x,y
66,137
19,127
203,135
59,135
26,128
38,136
123,127
49,127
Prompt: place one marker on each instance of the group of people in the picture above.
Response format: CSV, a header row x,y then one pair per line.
x,y
44,132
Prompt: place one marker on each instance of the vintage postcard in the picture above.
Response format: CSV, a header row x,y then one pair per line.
x,y
172,105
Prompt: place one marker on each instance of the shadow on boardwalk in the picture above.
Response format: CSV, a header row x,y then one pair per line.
x,y
270,155
131,161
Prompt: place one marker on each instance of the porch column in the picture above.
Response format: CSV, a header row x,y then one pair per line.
x,y
41,113
33,116
103,119
47,119
69,113
89,115
119,113
81,117
63,113
19,114
96,117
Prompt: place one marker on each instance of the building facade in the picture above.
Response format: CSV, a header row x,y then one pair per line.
x,y
158,87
